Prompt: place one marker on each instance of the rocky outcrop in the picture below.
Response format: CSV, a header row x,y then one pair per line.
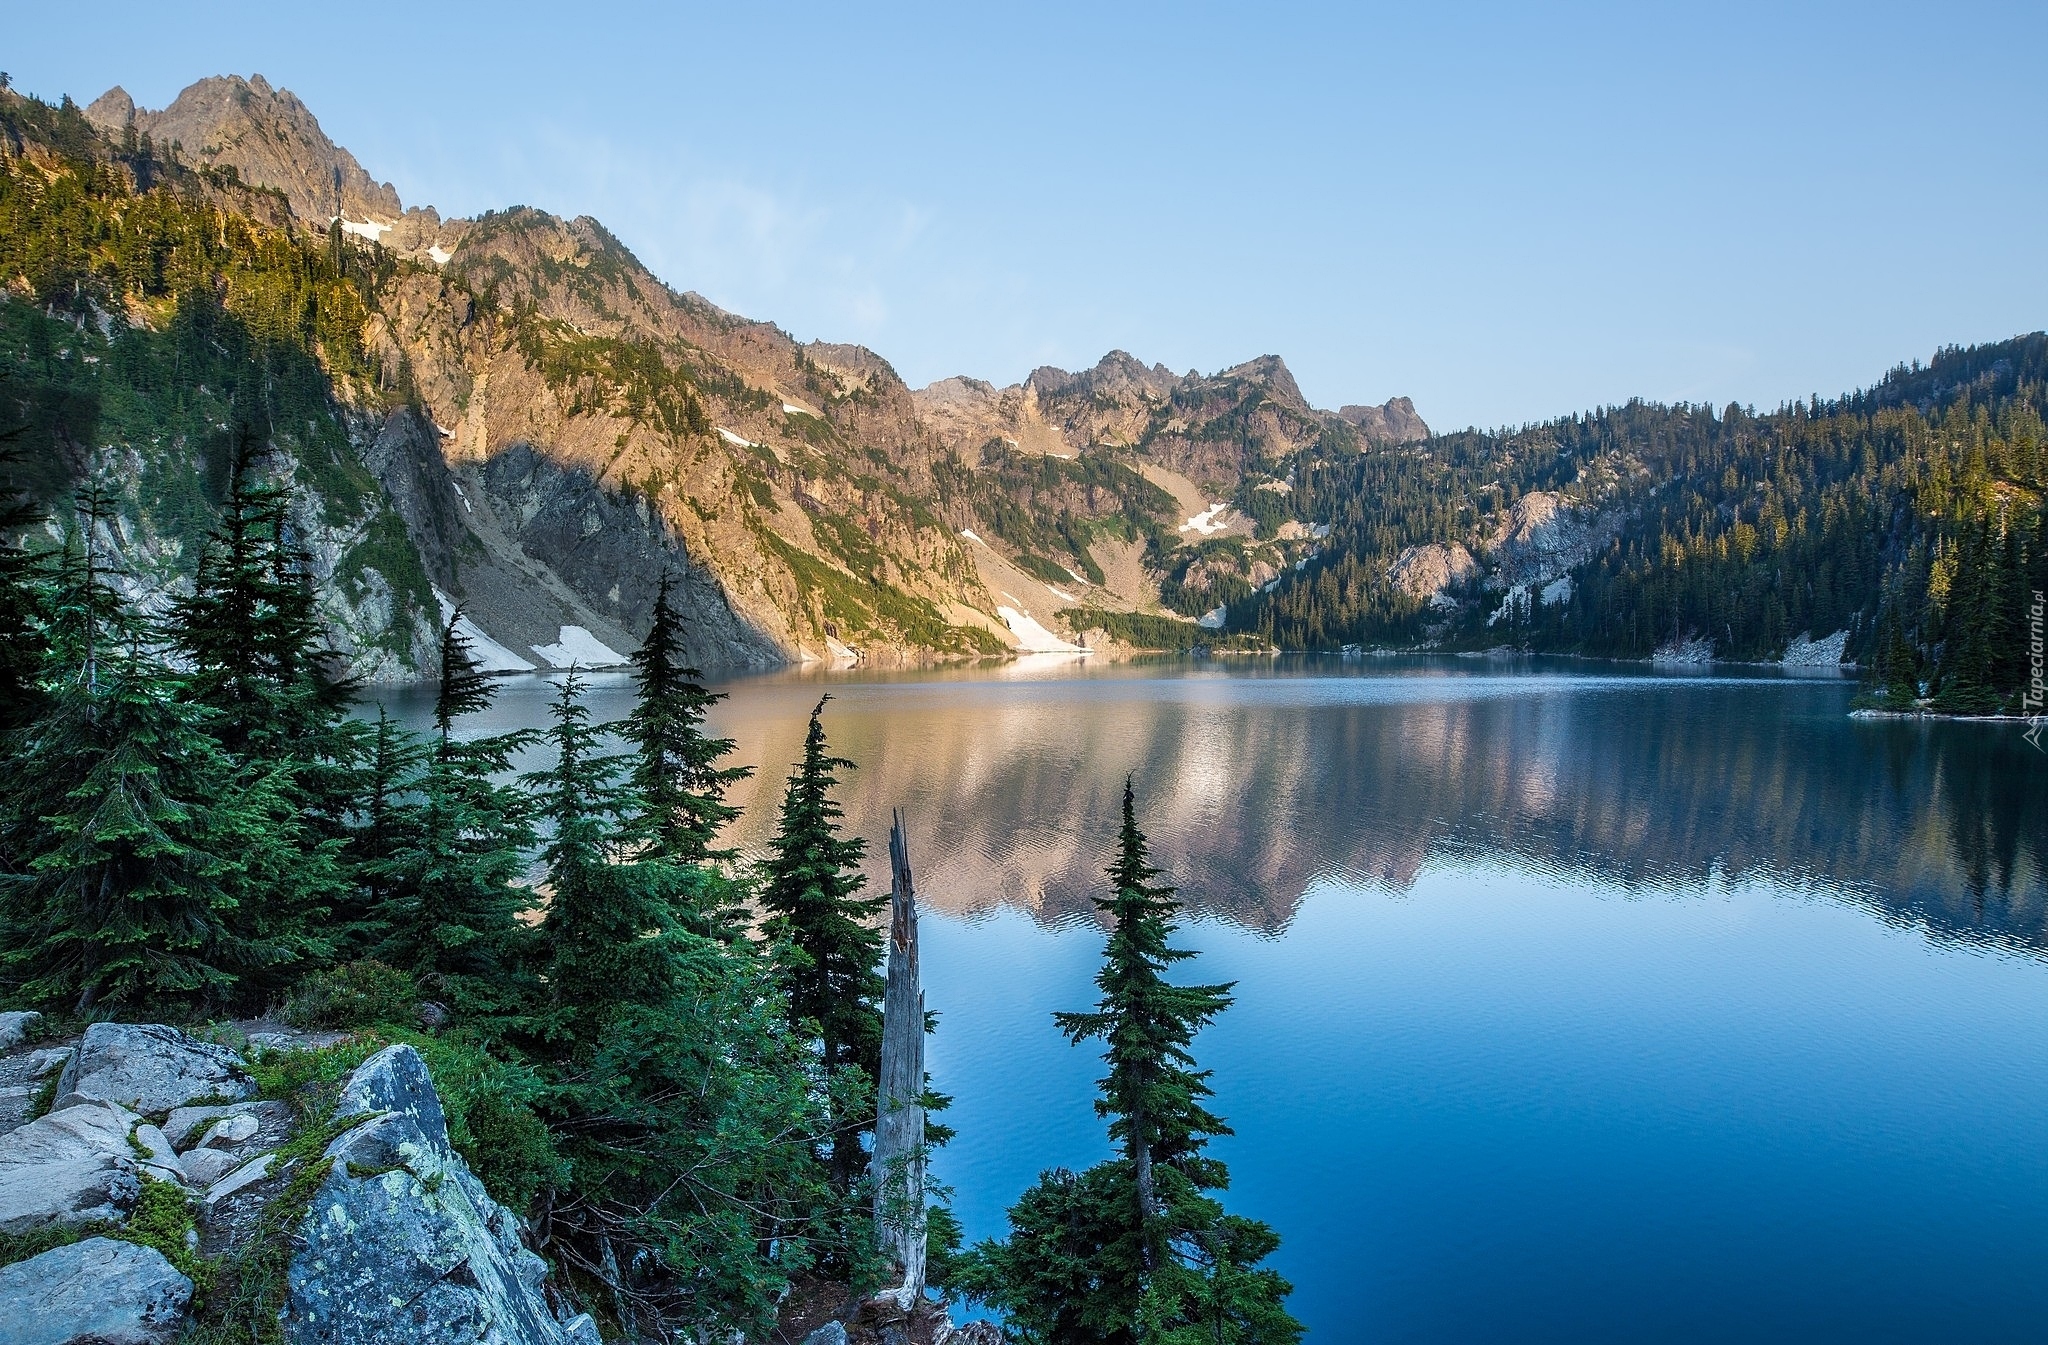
x,y
1806,652
76,1167
401,1243
267,135
151,1069
1394,421
1542,535
95,1292
1425,572
24,1075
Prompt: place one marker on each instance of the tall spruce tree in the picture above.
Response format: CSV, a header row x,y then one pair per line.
x,y
453,904
23,586
247,628
610,927
676,771
1134,1249
826,934
384,825
251,638
131,826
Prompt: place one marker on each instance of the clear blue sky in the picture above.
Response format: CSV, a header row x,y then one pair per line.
x,y
1503,212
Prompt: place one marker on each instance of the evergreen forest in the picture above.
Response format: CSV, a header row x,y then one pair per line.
x,y
1909,516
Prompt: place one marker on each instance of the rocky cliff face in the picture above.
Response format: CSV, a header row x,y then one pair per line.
x,y
567,428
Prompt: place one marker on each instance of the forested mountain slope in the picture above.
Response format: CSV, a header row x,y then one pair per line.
x,y
1906,520
513,414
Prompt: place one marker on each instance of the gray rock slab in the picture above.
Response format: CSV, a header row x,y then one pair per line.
x,y
71,1167
17,1026
22,1080
255,1170
153,1069
185,1124
244,1127
401,1242
95,1292
204,1167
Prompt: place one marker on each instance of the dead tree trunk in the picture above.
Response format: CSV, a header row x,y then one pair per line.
x,y
899,1109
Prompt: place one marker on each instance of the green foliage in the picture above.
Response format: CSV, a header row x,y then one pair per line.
x,y
353,995
452,893
1046,571
610,375
162,1219
676,770
824,933
138,833
1222,563
21,1246
1161,633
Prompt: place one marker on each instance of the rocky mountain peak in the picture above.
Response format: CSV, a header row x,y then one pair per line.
x,y
1392,422
267,136
1271,373
112,110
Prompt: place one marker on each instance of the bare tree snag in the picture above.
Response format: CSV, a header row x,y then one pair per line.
x,y
899,1108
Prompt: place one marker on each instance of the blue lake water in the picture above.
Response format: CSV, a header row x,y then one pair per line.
x,y
1574,1002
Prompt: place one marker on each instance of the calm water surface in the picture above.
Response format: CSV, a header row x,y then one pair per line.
x,y
1574,1003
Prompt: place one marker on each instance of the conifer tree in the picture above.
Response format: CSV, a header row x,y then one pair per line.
x,y
251,629
132,825
828,942
676,771
1899,669
1973,629
250,635
385,824
1134,1249
688,1112
610,930
453,905
22,589
1153,1097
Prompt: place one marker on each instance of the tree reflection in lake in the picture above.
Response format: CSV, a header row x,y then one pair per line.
x,y
1256,780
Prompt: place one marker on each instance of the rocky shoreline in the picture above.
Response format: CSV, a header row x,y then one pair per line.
x,y
146,1177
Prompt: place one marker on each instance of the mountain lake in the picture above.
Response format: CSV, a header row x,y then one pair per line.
x,y
1574,1001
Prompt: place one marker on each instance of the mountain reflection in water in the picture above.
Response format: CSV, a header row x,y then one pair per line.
x,y
1256,781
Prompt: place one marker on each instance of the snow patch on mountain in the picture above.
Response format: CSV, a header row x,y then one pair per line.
x,y
578,647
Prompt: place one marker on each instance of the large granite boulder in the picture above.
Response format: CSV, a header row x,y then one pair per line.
x,y
17,1026
152,1069
81,1165
95,1292
401,1243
